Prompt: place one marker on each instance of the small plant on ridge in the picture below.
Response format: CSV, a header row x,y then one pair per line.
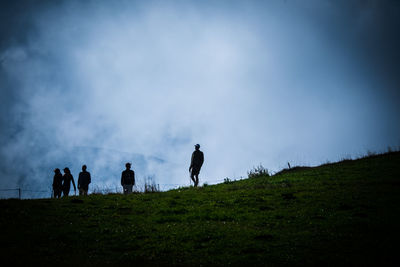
x,y
258,171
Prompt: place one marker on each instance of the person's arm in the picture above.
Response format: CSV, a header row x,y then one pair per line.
x,y
133,172
79,180
90,178
202,159
191,162
122,178
73,182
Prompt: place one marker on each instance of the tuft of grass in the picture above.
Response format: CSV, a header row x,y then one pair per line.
x,y
150,185
258,171
227,180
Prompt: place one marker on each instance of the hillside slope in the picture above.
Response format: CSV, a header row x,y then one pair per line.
x,y
346,212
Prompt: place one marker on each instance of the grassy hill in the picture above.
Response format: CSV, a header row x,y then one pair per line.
x,y
346,212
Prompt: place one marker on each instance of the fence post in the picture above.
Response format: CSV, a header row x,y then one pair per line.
x,y
19,193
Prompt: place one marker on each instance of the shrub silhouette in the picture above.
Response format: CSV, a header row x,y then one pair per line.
x,y
258,171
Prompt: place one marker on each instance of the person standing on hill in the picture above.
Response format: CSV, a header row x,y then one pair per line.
x,y
195,164
57,183
128,179
67,178
83,181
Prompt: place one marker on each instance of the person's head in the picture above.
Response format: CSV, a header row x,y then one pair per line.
x,y
66,170
197,146
128,166
84,168
57,170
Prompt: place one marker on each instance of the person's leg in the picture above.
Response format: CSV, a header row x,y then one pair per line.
x,y
192,177
80,191
130,189
85,192
126,189
57,193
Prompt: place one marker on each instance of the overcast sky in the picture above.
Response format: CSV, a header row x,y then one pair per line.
x,y
102,83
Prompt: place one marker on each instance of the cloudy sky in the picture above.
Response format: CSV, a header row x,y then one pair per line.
x,y
106,82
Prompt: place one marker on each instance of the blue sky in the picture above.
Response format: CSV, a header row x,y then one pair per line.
x,y
102,83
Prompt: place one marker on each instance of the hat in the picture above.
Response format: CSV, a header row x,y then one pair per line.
x,y
128,164
197,145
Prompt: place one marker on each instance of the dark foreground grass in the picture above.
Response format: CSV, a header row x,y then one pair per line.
x,y
335,214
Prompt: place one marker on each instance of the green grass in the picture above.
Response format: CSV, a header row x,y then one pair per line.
x,y
341,213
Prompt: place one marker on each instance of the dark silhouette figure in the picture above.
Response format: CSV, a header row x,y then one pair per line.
x,y
83,181
128,179
195,164
57,183
67,178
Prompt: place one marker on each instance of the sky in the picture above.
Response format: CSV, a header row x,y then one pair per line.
x,y
103,83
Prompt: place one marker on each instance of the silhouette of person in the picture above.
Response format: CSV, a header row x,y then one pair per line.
x,y
195,164
67,178
83,181
57,183
128,179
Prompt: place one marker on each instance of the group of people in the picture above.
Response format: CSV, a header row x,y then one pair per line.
x,y
62,183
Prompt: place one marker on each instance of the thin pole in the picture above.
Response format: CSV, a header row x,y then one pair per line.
x,y
19,193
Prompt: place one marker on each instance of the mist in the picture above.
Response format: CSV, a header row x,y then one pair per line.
x,y
104,83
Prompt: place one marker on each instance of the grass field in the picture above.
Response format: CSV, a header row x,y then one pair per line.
x,y
334,214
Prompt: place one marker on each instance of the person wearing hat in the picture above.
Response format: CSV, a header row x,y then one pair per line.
x,y
57,183
83,181
195,164
128,179
67,178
